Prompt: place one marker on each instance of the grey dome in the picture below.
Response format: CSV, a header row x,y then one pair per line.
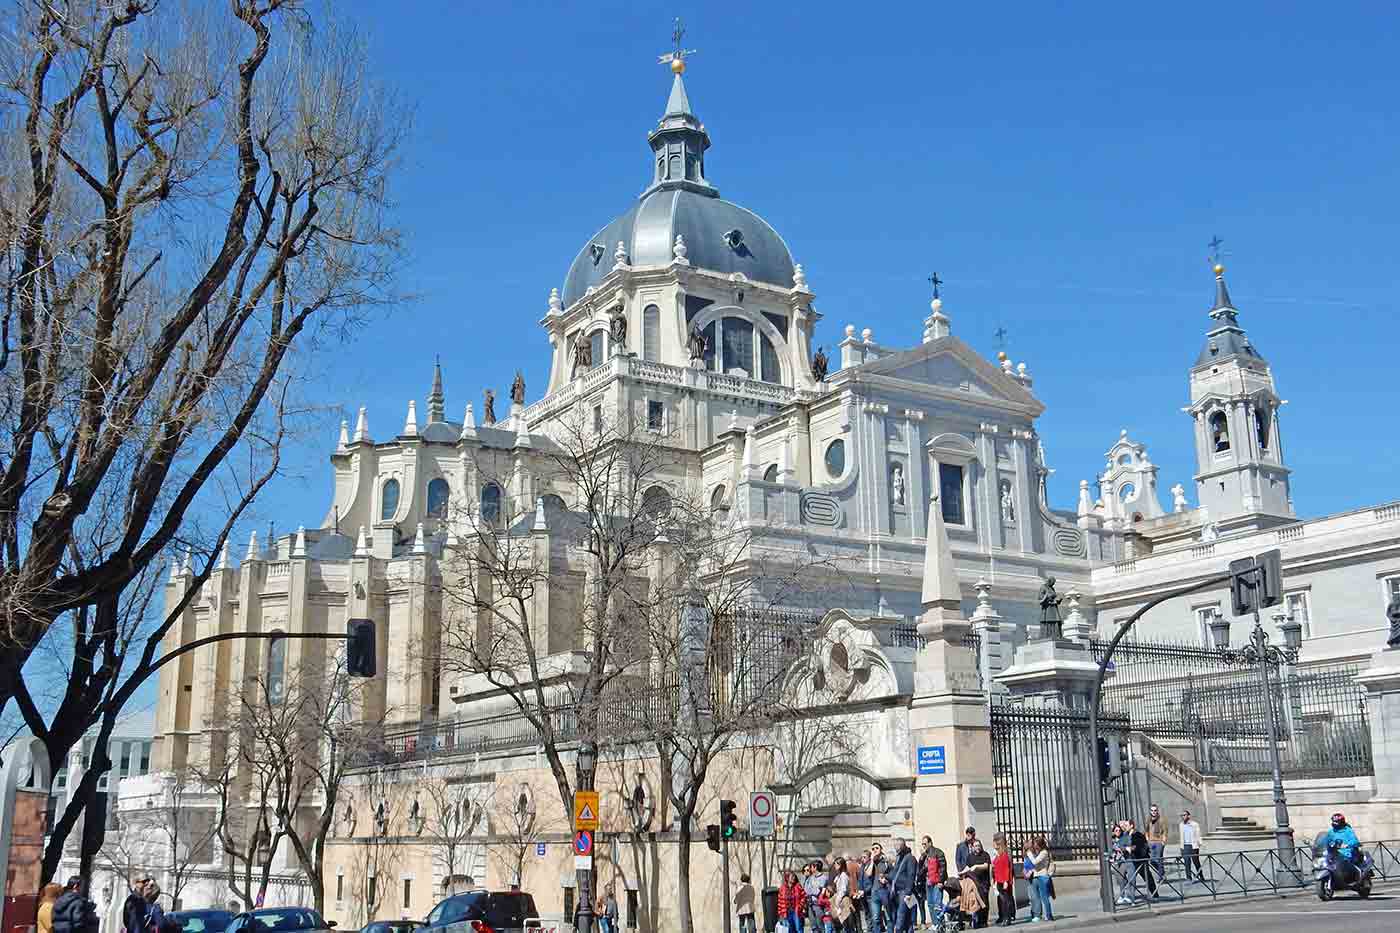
x,y
650,228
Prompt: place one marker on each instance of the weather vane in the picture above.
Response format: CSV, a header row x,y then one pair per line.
x,y
1216,253
1000,333
935,281
677,58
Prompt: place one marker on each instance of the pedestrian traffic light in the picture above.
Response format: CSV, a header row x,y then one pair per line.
x,y
1270,590
360,654
712,836
1123,755
728,818
1105,762
1243,595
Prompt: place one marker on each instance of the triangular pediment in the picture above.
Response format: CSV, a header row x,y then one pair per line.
x,y
951,365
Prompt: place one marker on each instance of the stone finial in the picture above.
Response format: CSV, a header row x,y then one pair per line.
x,y
344,440
1178,498
223,554
1021,372
678,250
942,596
252,552
750,455
420,541
299,544
410,423
175,568
733,419
936,325
1006,366
556,304
850,330
189,562
1086,502
522,432
620,255
540,523
799,278
362,427
984,596
362,543
469,421
1076,625
867,336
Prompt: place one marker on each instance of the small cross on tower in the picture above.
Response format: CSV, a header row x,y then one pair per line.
x,y
677,58
1216,253
935,281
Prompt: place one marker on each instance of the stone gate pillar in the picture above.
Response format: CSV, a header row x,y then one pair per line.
x,y
949,721
1382,682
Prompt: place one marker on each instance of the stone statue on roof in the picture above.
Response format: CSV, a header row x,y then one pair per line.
x,y
1392,612
697,344
820,364
517,389
1049,609
618,329
489,413
583,354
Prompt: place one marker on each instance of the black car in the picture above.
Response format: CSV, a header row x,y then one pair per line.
x,y
201,921
279,920
485,912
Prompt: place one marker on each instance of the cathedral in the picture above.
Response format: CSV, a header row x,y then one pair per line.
x,y
688,316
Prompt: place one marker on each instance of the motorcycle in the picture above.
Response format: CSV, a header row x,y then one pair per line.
x,y
1334,873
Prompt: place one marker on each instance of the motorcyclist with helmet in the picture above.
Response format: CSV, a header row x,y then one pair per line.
x,y
1344,838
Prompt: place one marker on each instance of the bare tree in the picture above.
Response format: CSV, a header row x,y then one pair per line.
x,y
515,824
168,839
454,817
298,739
189,194
385,808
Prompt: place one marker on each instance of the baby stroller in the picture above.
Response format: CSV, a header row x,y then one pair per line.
x,y
952,919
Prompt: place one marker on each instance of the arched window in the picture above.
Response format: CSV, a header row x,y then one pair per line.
x,y
1219,432
1127,492
719,502
491,503
1126,460
553,505
1261,427
651,333
597,343
276,668
737,346
388,500
770,475
656,502
438,493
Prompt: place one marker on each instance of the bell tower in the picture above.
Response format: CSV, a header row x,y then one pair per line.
x,y
1241,479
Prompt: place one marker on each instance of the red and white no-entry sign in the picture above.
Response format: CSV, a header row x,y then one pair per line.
x,y
762,813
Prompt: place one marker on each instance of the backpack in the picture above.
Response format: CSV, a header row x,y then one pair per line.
x,y
134,913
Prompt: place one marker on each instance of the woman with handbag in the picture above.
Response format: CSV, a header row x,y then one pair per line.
x,y
1002,880
1042,884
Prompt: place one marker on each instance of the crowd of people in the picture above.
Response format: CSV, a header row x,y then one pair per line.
x,y
1139,856
903,890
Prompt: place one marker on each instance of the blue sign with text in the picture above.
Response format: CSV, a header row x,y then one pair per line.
x,y
932,760
539,848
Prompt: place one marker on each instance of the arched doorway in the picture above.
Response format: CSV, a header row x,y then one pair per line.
x,y
842,808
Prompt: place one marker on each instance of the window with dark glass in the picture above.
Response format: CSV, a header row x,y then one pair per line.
x,y
389,500
145,757
710,330
769,370
597,419
491,502
1261,427
438,493
737,345
1219,432
595,343
836,459
950,493
770,475
656,416
276,668
651,333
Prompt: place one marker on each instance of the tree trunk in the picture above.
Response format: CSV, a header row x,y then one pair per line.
x,y
683,867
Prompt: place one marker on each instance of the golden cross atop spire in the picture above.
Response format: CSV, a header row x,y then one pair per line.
x,y
677,58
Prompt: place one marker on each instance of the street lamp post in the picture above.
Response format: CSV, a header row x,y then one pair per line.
x,y
587,756
1263,655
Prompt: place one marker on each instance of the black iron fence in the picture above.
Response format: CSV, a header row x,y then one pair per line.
x,y
1044,776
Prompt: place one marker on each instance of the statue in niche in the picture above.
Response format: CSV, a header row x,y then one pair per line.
x,y
897,483
617,329
1050,610
697,344
489,417
1008,505
820,364
1392,613
517,389
583,354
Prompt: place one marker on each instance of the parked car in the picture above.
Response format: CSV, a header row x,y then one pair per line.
x,y
279,920
393,926
201,921
485,912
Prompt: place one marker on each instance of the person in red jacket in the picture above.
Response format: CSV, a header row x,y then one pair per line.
x,y
792,902
1002,879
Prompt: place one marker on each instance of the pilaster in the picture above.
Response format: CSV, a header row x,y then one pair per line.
x,y
1382,683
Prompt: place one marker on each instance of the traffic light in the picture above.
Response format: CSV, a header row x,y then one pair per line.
x,y
728,818
1105,761
360,655
712,836
1243,596
1122,756
1270,591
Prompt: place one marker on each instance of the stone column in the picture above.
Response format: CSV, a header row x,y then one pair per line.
x,y
1382,682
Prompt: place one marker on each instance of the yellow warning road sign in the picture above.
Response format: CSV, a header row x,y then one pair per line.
x,y
585,809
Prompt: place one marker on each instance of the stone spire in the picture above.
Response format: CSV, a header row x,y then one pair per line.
x,y
540,523
299,543
1225,338
679,142
420,541
362,427
469,422
252,552
410,423
435,397
942,596
362,543
343,441
223,556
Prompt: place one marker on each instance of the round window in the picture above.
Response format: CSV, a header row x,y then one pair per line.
x,y
836,458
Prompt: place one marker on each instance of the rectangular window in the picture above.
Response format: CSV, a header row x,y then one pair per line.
x,y
597,419
1392,589
736,340
145,758
1299,606
1204,615
651,333
340,887
595,343
407,893
124,757
370,891
656,416
770,371
950,493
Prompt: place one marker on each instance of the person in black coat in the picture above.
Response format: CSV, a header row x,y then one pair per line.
x,y
1139,850
72,912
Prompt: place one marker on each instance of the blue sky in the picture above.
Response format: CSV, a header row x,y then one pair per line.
x,y
1062,166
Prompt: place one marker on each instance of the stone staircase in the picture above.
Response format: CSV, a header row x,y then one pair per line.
x,y
1237,834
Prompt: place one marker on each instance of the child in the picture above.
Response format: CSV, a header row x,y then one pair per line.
x,y
824,902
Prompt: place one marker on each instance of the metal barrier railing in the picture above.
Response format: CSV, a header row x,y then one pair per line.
x,y
1229,874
